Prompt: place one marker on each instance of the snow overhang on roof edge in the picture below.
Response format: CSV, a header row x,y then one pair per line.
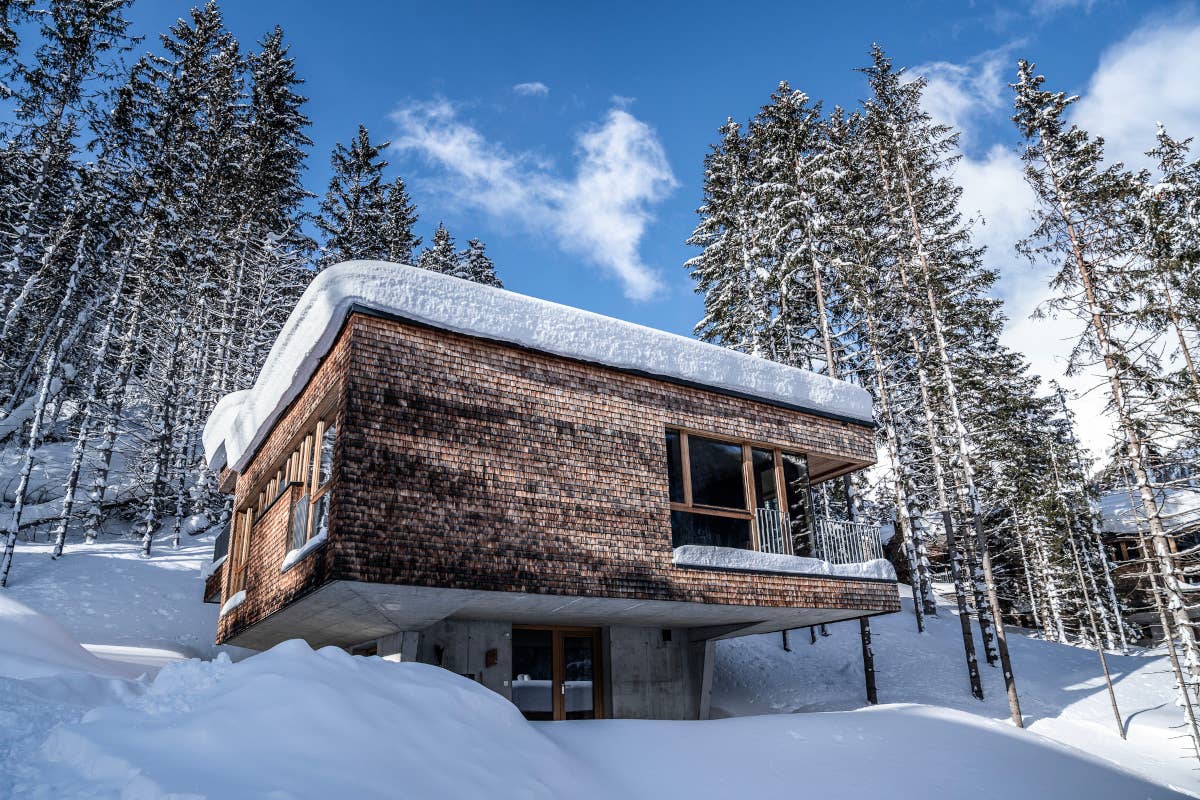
x,y
241,420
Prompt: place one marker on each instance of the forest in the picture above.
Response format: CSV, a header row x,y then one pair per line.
x,y
836,241
156,230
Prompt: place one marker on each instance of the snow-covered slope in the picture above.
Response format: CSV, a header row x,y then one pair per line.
x,y
240,420
294,723
123,607
1061,688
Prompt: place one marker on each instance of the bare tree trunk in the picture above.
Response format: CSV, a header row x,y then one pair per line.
x,y
964,454
864,627
1113,354
1026,567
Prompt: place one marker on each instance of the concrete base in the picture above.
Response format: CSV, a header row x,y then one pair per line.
x,y
347,613
648,673
656,657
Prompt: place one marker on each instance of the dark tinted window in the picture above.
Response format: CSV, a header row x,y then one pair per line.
x,y
716,471
795,479
764,479
675,466
707,529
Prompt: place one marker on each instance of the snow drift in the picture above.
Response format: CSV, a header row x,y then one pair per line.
x,y
297,723
239,422
734,558
34,646
294,723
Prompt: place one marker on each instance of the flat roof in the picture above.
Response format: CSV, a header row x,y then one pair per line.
x,y
241,420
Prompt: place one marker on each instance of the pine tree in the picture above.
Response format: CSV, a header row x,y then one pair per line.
x,y
355,209
399,221
731,271
1084,228
55,103
475,265
440,255
12,13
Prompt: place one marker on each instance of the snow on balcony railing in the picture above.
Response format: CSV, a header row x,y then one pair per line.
x,y
841,542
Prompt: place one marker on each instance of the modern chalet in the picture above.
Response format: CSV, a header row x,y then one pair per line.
x,y
567,508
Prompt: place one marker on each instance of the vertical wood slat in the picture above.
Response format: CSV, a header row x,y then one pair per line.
x,y
748,488
685,460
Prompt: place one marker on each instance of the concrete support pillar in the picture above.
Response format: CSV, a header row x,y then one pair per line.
x,y
399,646
706,677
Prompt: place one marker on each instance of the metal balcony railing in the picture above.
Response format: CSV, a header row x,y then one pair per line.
x,y
832,540
841,542
774,532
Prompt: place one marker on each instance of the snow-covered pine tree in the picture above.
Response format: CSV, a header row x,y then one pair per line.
x,y
476,265
12,13
860,256
399,222
941,261
440,255
1169,214
355,209
731,270
79,48
1083,216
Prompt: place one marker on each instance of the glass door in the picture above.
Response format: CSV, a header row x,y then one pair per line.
x,y
578,688
533,672
556,673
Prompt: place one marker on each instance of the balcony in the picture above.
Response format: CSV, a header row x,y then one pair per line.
x,y
841,542
833,540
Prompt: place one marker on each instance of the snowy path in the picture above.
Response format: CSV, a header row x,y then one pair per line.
x,y
120,606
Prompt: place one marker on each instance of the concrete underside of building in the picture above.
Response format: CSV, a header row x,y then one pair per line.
x,y
653,658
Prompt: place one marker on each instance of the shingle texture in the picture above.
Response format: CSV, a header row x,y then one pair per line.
x,y
466,463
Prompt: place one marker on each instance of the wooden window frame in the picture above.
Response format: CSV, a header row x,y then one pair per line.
x,y
239,550
298,468
748,486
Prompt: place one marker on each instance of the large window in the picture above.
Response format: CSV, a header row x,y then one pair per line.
x,y
727,493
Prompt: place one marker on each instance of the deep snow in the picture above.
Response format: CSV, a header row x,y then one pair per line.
x,y
240,420
1062,691
296,723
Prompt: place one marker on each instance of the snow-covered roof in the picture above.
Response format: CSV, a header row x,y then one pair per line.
x,y
242,420
1180,508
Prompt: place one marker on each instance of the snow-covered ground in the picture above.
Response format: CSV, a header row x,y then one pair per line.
x,y
294,723
1062,690
118,604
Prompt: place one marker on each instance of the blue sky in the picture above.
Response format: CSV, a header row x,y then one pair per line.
x,y
584,183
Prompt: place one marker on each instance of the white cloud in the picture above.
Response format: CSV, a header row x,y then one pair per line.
x,y
958,94
532,89
1149,77
599,213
